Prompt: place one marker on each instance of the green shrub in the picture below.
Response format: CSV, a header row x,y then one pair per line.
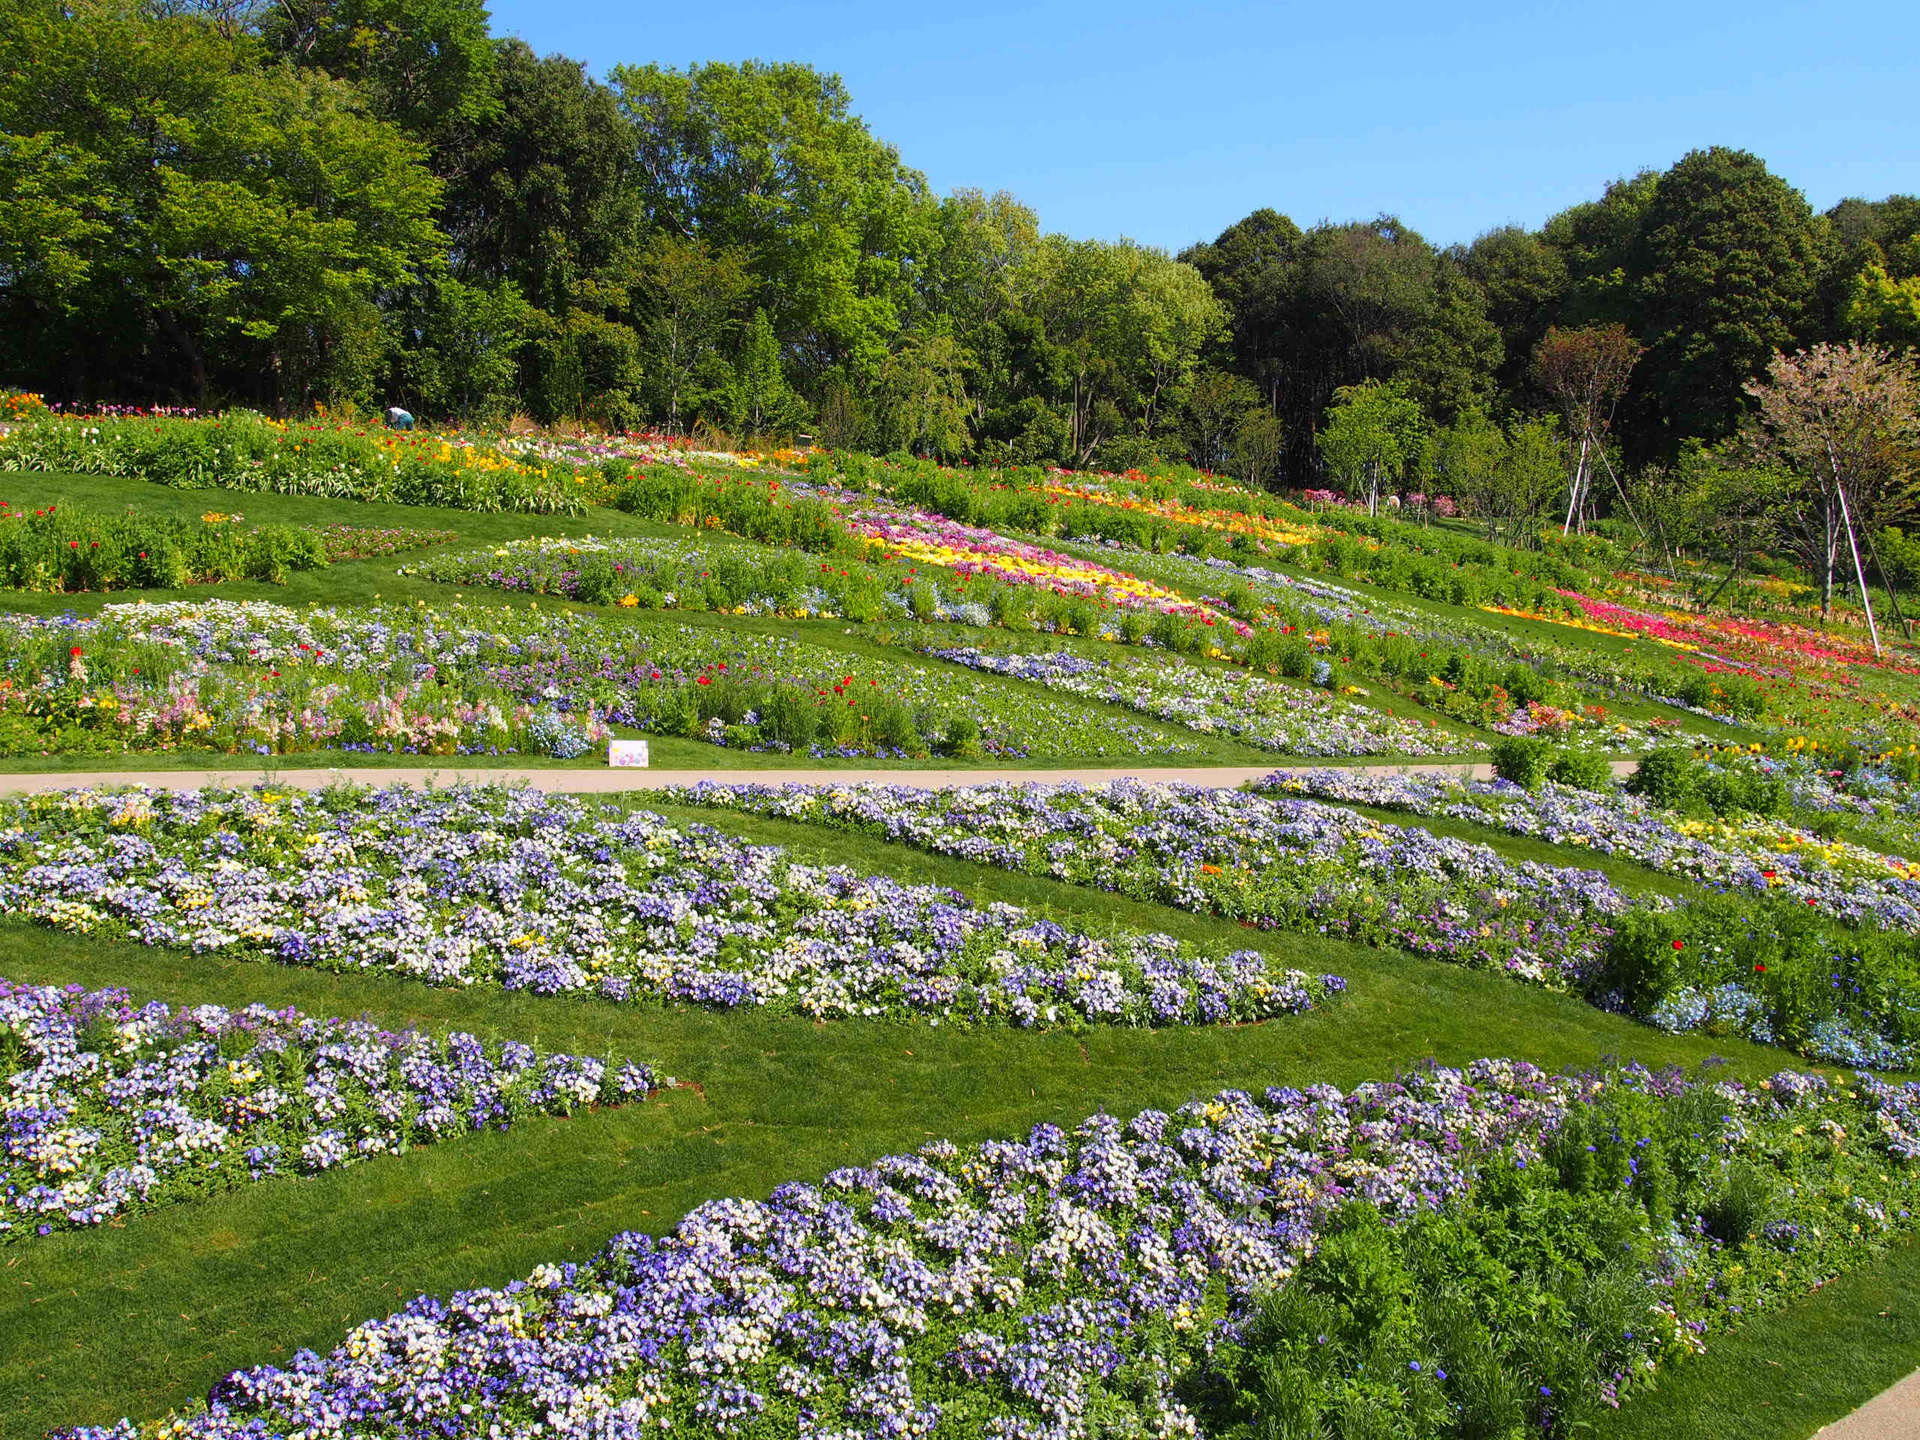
x,y
1667,777
1733,790
1526,685
1582,769
1522,760
596,584
962,740
1643,957
1295,659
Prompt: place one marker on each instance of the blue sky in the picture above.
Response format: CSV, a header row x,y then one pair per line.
x,y
1167,123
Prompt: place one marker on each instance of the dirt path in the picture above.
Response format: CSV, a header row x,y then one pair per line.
x,y
606,780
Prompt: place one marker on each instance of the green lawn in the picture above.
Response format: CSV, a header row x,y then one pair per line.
x,y
378,581
144,1314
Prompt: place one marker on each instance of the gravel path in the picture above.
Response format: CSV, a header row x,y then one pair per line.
x,y
605,780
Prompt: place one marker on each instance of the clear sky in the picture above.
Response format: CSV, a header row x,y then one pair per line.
x,y
1167,123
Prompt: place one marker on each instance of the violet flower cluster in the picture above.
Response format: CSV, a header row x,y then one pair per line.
x,y
112,1108
1212,701
1274,863
1064,1286
487,885
1741,853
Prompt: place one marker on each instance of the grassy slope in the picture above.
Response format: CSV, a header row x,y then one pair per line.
x,y
141,1316
1787,1373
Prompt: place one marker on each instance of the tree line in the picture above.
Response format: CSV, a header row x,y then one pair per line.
x,y
226,202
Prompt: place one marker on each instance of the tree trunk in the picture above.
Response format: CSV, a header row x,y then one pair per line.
x,y
196,360
1859,571
1579,479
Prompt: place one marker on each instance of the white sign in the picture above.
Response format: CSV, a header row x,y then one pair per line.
x,y
627,754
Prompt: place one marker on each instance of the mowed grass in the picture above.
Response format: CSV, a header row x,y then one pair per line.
x,y
144,1315
378,581
1788,1372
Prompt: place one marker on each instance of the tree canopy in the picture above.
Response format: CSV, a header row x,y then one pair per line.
x,y
358,201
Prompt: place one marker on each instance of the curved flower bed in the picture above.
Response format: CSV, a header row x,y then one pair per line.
x,y
1758,956
471,885
253,676
243,452
1275,863
969,550
738,578
112,1108
1089,1284
1262,712
1749,852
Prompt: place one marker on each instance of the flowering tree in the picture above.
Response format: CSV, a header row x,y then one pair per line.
x,y
1585,371
1845,420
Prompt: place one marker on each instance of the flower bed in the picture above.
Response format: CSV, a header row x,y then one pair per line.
x,y
970,550
1455,666
265,678
1262,712
1120,1278
112,1108
469,886
238,678
1764,958
737,578
1746,853
247,452
1275,863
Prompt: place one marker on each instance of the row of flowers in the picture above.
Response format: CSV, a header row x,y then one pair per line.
x,y
112,1108
1291,719
1119,1278
252,676
1775,643
734,578
1243,612
72,548
1799,940
1807,978
251,452
1457,666
969,550
485,885
1273,862
1746,852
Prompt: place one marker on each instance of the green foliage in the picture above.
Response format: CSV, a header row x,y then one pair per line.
x,y
243,452
1522,760
1807,968
67,548
1723,267
1375,435
692,293
1582,769
770,160
1495,1319
1884,309
757,400
257,212
1665,777
1677,779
